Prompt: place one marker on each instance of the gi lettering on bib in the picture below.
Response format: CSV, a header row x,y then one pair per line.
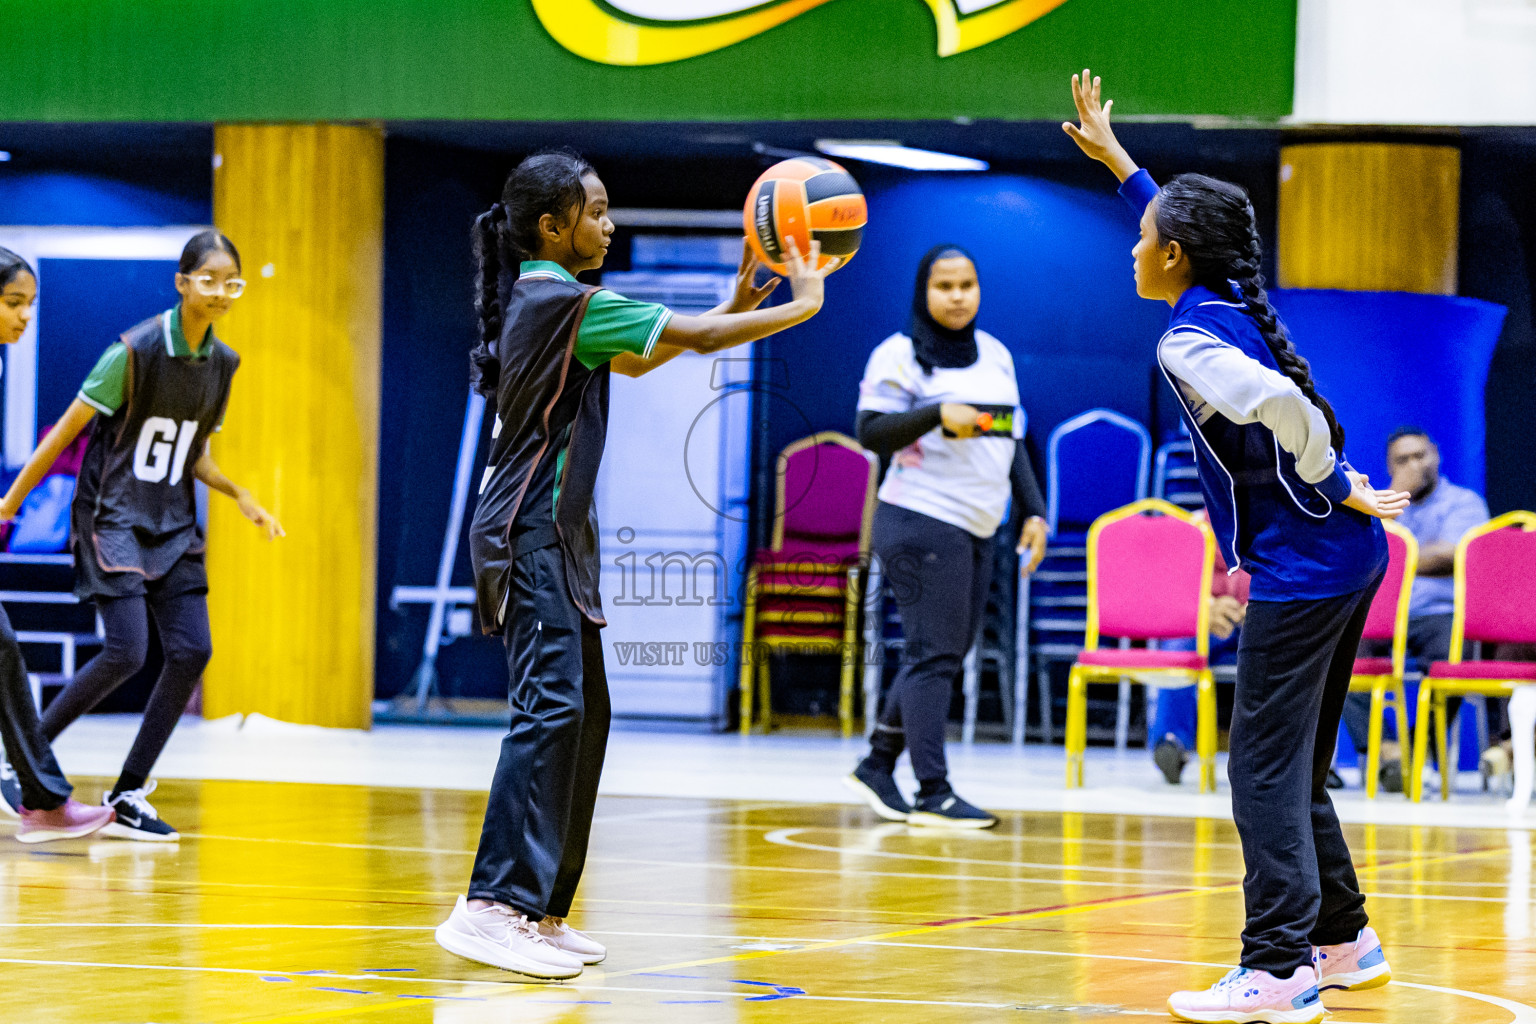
x,y
162,449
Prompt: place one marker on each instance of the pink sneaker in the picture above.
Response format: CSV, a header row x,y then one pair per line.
x,y
71,820
1245,996
1352,966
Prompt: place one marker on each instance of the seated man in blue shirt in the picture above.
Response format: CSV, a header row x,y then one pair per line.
x,y
1437,517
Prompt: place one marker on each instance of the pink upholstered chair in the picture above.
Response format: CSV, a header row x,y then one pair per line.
x,y
803,594
1388,620
1149,577
1495,603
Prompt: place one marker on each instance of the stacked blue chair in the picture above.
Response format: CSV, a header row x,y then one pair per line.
x,y
1174,476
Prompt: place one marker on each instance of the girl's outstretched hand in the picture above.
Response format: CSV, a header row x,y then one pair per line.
x,y
749,295
805,279
1381,504
1093,134
266,521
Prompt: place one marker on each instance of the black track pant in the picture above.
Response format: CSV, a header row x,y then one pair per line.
x,y
43,786
940,575
539,814
1293,668
182,620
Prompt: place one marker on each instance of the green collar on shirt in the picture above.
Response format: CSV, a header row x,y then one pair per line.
x,y
176,342
543,268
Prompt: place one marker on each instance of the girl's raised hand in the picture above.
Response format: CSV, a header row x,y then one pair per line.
x,y
1093,134
1381,504
805,279
749,295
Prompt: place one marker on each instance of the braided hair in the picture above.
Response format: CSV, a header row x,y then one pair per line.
x,y
1214,224
13,266
508,233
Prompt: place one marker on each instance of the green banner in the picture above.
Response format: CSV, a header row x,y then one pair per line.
x,y
636,60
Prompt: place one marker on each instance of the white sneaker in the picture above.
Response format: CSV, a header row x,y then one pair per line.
x,y
562,936
501,937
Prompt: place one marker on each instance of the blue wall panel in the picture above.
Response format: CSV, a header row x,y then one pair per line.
x,y
61,197
1386,359
83,306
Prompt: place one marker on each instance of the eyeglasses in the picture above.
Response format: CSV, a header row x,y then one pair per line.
x,y
206,285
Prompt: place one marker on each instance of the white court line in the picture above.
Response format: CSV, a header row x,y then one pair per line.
x,y
782,837
730,807
721,865
1501,886
199,924
389,928
1440,898
1523,1014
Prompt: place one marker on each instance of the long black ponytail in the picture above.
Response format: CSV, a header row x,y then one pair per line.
x,y
507,234
1214,224
12,266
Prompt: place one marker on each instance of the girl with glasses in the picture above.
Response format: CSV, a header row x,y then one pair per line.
x,y
152,402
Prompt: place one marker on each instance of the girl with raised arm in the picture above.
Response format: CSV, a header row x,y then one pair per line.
x,y
1285,506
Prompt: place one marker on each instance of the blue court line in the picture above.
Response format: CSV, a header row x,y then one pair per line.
x,y
386,970
779,991
348,991
688,1002
275,978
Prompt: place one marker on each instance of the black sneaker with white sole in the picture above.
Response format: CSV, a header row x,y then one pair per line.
x,y
10,791
137,818
879,790
946,810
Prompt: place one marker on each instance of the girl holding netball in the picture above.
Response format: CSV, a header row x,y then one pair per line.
x,y
34,790
152,402
1286,507
547,345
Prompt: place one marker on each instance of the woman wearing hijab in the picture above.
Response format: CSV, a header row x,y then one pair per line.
x,y
942,402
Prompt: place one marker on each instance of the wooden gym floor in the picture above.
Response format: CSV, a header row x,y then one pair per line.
x,y
297,902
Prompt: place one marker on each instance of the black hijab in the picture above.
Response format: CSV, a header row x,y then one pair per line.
x,y
932,342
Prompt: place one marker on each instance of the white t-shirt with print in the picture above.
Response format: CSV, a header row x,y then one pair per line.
x,y
960,481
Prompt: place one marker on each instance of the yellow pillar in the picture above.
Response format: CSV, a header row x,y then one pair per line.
x,y
293,621
1369,216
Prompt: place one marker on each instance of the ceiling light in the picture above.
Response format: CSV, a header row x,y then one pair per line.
x,y
4,156
877,151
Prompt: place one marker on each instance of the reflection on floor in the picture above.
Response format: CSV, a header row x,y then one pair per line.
x,y
303,902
